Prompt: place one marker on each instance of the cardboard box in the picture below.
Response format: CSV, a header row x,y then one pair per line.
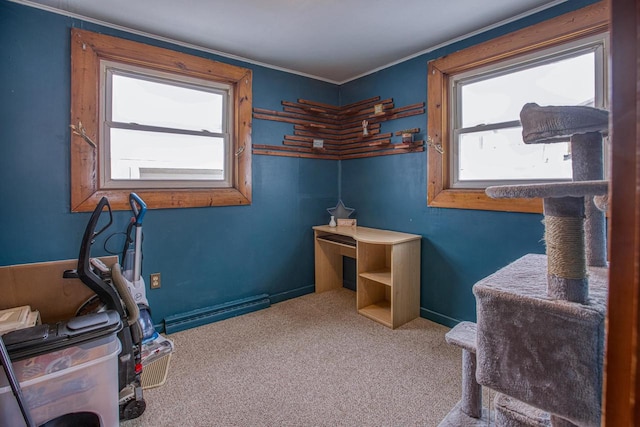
x,y
41,286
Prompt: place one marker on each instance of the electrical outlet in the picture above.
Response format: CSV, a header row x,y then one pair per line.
x,y
155,281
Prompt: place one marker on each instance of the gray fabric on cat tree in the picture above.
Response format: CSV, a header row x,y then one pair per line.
x,y
546,353
587,163
541,125
457,418
464,336
564,232
511,412
551,190
583,126
540,340
468,412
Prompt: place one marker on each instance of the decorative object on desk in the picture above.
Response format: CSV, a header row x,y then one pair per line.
x,y
378,109
332,223
347,222
365,131
340,210
318,143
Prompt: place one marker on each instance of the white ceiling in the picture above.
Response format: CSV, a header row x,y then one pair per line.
x,y
333,40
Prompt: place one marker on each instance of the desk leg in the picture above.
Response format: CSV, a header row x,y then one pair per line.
x,y
328,262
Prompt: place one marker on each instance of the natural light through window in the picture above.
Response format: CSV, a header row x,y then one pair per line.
x,y
160,129
173,127
487,137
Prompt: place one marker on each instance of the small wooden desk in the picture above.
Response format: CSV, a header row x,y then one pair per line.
x,y
388,268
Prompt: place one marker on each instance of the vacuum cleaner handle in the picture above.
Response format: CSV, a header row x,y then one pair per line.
x,y
121,285
106,293
132,308
138,206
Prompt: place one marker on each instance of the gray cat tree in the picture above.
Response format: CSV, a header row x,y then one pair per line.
x,y
539,338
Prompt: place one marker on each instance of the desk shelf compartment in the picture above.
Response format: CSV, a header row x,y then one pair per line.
x,y
389,282
374,300
374,282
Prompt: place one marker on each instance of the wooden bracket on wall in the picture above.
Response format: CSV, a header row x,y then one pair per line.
x,y
323,131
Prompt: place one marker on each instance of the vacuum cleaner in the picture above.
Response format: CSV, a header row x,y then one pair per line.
x,y
156,349
116,319
120,307
132,266
112,293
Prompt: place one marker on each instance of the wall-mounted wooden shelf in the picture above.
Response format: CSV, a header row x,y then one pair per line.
x,y
340,129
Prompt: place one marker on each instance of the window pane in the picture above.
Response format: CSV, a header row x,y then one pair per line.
x,y
158,104
501,155
153,155
499,99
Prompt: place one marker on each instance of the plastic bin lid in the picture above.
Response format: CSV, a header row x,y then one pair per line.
x,y
41,339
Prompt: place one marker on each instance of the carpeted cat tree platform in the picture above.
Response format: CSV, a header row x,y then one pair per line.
x,y
539,339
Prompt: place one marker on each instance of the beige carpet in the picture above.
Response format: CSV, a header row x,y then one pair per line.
x,y
309,361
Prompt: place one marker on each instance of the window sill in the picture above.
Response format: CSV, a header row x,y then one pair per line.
x,y
477,199
167,199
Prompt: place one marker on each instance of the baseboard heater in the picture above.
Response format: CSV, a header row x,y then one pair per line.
x,y
203,316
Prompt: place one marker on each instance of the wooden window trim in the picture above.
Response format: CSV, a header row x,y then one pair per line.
x,y
593,19
621,400
87,49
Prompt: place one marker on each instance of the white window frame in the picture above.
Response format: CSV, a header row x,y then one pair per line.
x,y
597,44
110,68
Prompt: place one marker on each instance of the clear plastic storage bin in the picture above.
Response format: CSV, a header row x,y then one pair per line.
x,y
79,378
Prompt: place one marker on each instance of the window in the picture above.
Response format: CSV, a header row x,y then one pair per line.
x,y
475,97
486,132
160,132
173,127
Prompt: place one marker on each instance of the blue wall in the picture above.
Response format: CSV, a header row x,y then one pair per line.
x,y
459,247
209,256
206,256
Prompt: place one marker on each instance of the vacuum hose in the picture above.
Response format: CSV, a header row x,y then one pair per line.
x,y
121,286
